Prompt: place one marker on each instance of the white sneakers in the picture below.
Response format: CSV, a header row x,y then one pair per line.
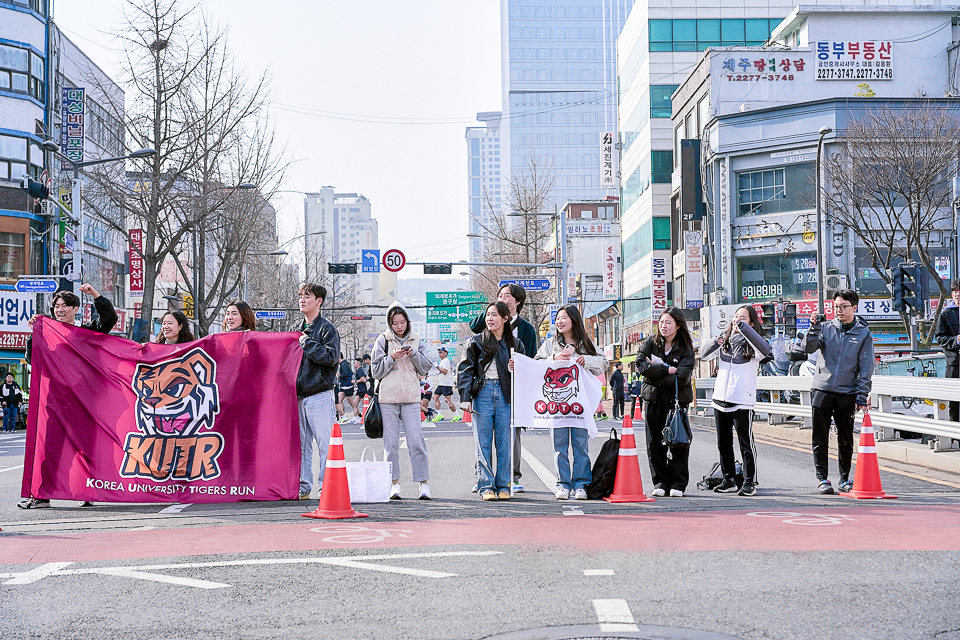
x,y
580,494
676,493
424,491
658,493
395,492
563,494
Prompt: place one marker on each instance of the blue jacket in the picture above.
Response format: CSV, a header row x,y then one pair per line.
x,y
846,362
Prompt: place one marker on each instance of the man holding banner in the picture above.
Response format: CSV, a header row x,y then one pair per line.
x,y
64,309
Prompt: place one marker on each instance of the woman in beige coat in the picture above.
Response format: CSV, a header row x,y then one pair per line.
x,y
399,358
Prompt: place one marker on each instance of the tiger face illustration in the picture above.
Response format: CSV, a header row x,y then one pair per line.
x,y
561,384
177,397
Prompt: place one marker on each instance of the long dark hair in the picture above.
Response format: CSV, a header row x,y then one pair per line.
x,y
748,351
581,341
394,311
488,341
682,339
185,334
248,321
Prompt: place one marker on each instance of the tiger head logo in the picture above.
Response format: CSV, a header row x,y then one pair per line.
x,y
177,397
561,384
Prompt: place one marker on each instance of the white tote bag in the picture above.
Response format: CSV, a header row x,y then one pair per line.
x,y
369,481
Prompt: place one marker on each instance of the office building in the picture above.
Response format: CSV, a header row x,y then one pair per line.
x,y
483,181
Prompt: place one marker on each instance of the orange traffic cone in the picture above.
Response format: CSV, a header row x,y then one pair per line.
x,y
467,417
866,478
335,496
628,487
638,410
366,405
423,416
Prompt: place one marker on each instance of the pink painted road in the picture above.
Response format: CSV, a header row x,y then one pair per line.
x,y
874,528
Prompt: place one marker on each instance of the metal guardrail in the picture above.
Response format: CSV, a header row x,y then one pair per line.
x,y
885,419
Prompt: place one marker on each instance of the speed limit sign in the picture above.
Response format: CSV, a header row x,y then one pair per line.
x,y
393,260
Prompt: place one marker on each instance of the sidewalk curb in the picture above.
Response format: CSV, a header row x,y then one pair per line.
x,y
894,450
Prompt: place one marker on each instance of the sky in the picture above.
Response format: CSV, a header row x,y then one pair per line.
x,y
369,96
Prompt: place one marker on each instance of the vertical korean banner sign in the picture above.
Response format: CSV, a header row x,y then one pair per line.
x,y
71,125
112,420
136,263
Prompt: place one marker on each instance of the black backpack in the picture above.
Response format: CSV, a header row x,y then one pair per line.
x,y
605,468
715,477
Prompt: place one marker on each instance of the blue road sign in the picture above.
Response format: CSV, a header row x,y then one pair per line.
x,y
270,315
37,286
530,284
371,261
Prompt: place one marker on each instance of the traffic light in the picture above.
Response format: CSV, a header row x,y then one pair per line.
x,y
790,319
437,269
342,267
769,318
909,291
36,190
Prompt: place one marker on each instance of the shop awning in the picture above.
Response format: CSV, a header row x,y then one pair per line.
x,y
6,355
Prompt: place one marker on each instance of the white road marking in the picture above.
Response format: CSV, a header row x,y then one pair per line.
x,y
146,572
598,572
403,443
20,466
38,573
142,529
174,508
546,476
614,615
573,511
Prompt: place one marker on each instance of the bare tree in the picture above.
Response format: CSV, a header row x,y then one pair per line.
x,y
888,180
188,102
520,238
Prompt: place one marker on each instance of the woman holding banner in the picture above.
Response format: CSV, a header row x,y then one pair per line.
x,y
399,359
174,329
483,379
572,344
238,316
665,361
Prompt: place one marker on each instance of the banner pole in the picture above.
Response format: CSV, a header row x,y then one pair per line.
x,y
513,398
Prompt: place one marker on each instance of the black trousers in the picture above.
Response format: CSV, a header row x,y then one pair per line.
x,y
742,419
953,372
617,404
841,408
633,405
667,473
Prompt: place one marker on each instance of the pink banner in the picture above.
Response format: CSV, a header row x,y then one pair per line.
x,y
112,420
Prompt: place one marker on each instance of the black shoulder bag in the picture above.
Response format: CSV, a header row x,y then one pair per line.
x,y
479,376
676,431
373,418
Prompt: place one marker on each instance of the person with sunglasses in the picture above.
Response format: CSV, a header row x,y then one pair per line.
x,y
841,385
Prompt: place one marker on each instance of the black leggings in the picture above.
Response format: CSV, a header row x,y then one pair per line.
x,y
742,419
668,473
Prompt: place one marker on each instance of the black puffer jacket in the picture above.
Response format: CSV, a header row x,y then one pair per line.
x,y
321,356
658,383
474,364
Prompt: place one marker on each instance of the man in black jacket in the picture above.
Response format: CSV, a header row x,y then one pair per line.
x,y
65,306
947,335
12,397
616,384
315,381
513,295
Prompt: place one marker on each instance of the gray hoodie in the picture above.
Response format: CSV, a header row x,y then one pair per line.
x,y
847,361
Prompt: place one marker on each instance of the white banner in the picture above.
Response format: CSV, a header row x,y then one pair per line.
x,y
551,394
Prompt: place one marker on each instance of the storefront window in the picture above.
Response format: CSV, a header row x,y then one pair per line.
x,y
11,256
793,277
776,190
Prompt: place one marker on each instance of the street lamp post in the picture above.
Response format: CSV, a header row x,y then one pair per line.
x,y
820,254
560,215
77,191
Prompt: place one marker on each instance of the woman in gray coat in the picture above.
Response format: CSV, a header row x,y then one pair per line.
x,y
399,359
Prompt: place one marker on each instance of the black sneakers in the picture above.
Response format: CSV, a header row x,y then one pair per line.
x,y
748,489
727,486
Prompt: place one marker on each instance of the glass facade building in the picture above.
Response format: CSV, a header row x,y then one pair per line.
x,y
658,47
483,178
560,90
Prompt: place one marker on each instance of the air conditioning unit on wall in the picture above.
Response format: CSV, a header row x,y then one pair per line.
x,y
833,282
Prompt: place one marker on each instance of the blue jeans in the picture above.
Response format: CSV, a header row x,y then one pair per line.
x,y
492,427
10,418
317,413
563,437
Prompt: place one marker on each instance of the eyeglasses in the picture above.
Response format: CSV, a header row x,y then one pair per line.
x,y
842,307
